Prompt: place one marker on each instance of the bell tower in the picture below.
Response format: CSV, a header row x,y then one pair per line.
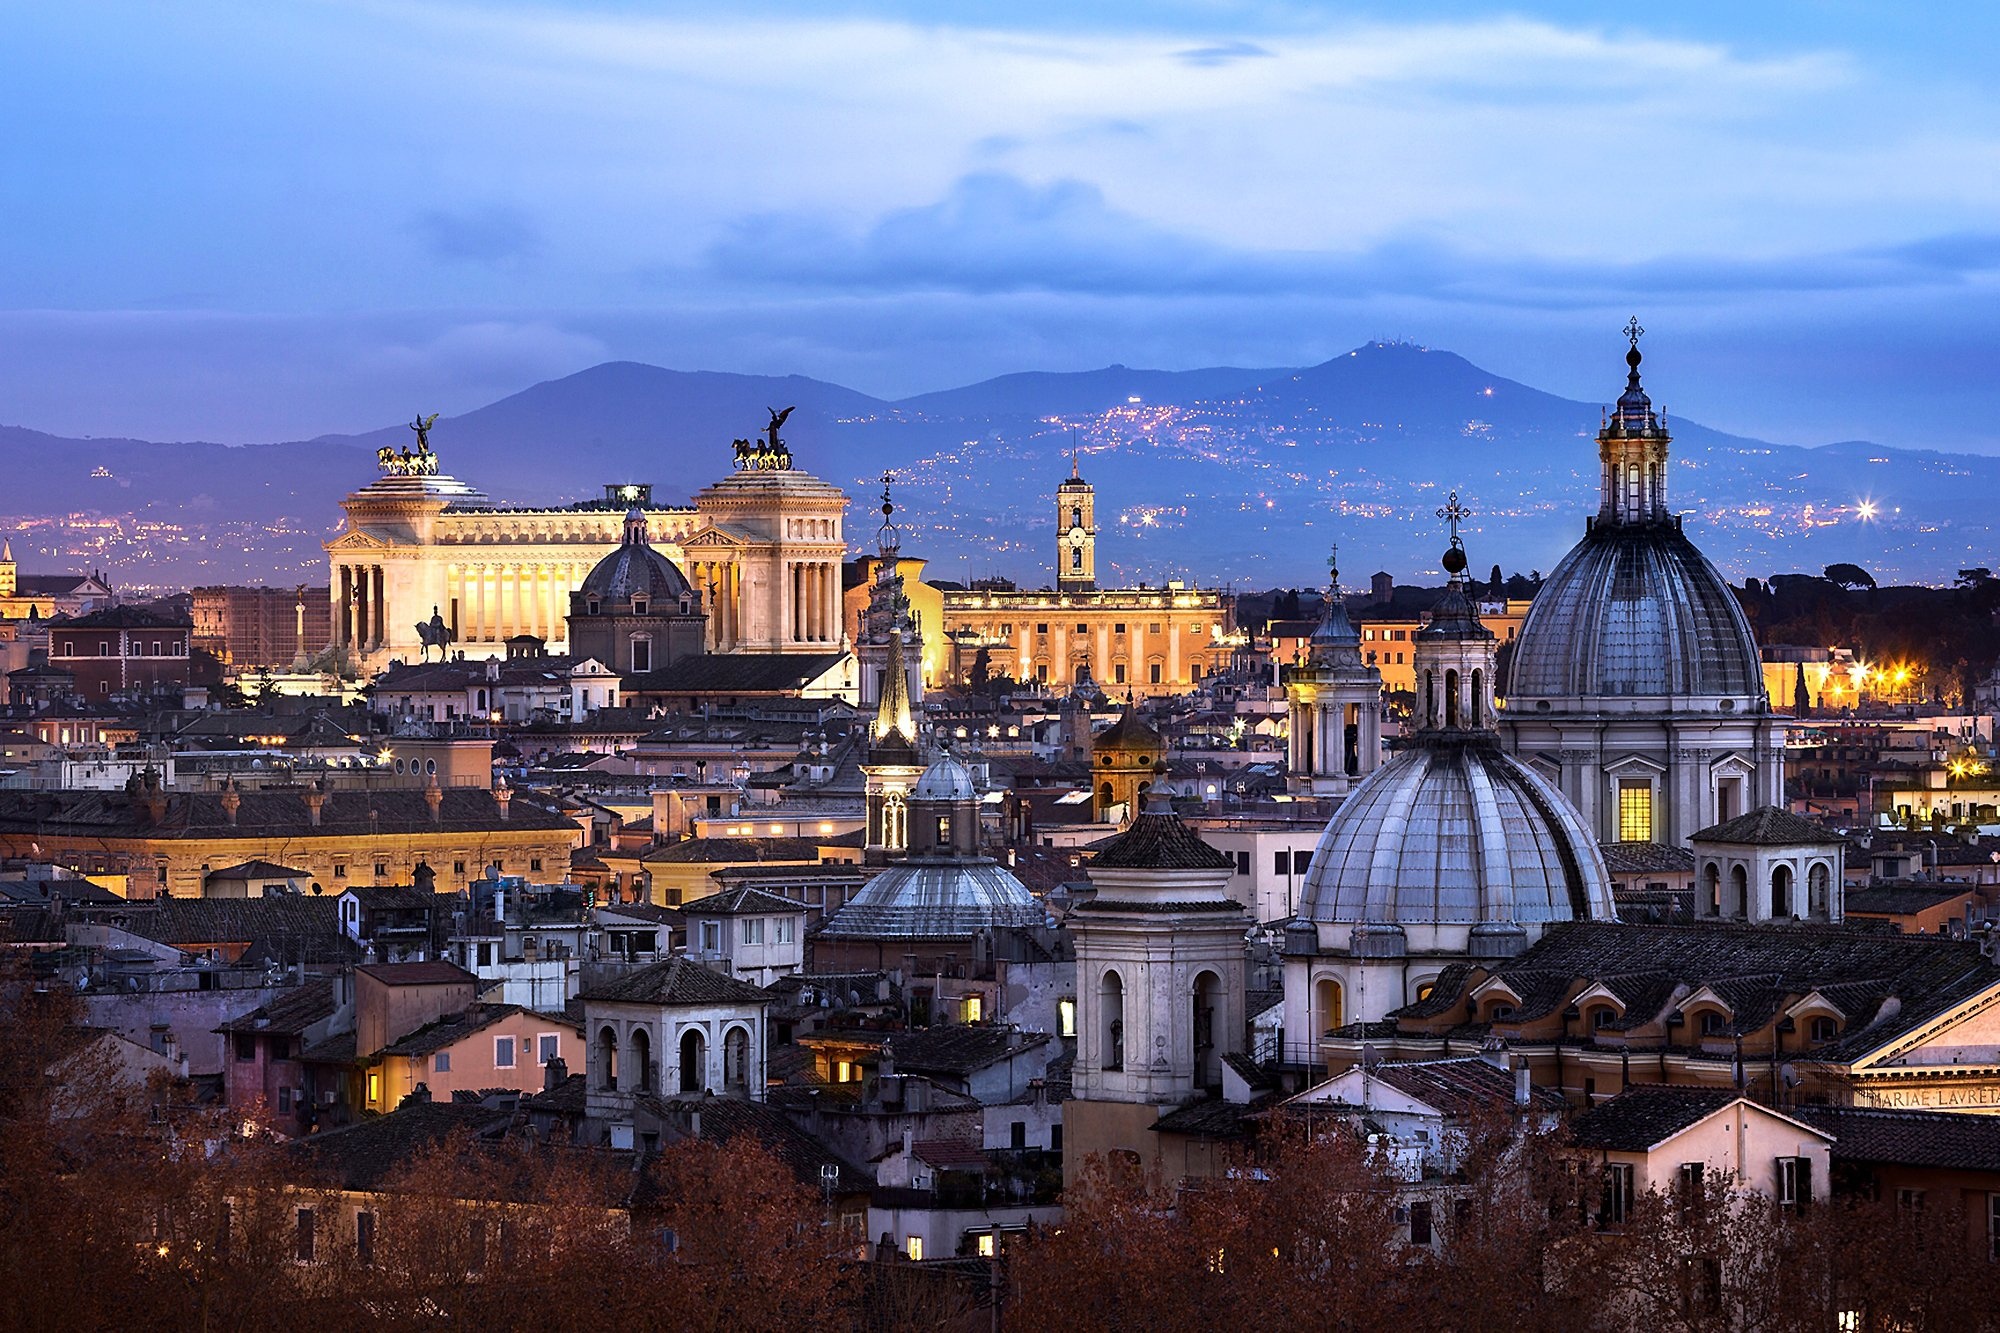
x,y
1076,533
1335,704
1632,450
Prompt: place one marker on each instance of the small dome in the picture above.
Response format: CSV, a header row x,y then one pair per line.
x,y
1456,834
635,569
1635,610
936,898
945,780
1129,732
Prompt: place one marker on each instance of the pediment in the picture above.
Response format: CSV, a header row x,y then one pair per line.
x,y
1966,1034
1732,763
357,540
712,538
1635,763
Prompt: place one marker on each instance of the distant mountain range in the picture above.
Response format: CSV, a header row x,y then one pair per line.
x,y
1223,475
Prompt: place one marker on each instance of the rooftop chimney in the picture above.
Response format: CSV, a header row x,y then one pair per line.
x,y
231,802
554,1074
502,794
434,798
315,799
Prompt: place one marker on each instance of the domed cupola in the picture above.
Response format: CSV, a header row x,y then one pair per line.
x,y
635,572
1453,847
1634,610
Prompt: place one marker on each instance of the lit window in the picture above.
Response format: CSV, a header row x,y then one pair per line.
x,y
844,1072
1635,810
974,1007
1066,1009
986,1245
914,1247
374,1088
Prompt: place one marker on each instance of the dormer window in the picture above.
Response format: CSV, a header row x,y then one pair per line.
x,y
1824,1030
1712,1023
1501,1013
638,606
1602,1017
596,607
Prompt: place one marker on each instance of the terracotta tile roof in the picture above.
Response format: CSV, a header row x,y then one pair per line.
x,y
1640,858
700,851
1460,1086
451,1029
281,928
433,973
360,1156
677,981
1767,826
961,1048
290,1014
951,1155
1904,899
1947,1139
724,1118
735,673
741,902
1645,1116
1160,840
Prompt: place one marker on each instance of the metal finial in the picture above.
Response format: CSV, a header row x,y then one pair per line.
x,y
1453,514
1633,331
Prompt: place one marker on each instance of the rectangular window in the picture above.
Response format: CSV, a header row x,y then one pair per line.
x,y
1152,629
1301,862
711,936
503,1052
441,1063
753,930
303,1247
340,870
1795,1183
1617,1205
1042,628
1153,672
458,867
975,1008
984,1243
1420,1222
1083,629
1066,1015
284,1101
550,1047
246,1046
1118,628
784,925
1242,863
914,1247
1635,810
364,1239
534,863
381,869
1017,1135
374,1087
1281,862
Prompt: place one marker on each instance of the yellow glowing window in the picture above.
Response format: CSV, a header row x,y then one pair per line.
x,y
914,1247
986,1246
1635,811
973,1008
1067,1010
845,1074
374,1088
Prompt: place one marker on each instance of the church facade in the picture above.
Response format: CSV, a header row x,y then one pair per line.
x,y
762,547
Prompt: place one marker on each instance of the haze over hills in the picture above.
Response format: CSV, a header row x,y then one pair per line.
x,y
1221,474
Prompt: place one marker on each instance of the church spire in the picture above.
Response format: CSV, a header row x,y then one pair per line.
x,y
1454,652
892,712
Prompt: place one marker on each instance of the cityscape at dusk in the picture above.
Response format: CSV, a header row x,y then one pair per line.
x,y
1115,667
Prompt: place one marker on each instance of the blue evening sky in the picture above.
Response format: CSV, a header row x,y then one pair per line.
x,y
259,221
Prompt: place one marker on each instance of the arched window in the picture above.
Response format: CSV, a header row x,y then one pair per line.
x,y
1076,516
1111,1019
1430,699
1817,883
1781,892
1327,1005
694,1062
1205,1054
1105,796
1451,699
607,1059
895,822
1713,878
1739,892
1476,717
736,1059
641,1076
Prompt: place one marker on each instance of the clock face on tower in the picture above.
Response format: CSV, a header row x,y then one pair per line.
x,y
1076,537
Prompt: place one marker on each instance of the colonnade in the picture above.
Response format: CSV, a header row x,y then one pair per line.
x,y
812,604
720,583
360,611
492,602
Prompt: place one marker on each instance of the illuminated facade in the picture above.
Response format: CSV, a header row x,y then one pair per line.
x,y
1147,641
763,547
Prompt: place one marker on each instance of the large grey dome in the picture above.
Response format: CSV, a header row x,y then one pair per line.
x,y
936,898
635,569
1456,833
945,780
1635,610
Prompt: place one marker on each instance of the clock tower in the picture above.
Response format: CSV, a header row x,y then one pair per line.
x,y
1076,534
